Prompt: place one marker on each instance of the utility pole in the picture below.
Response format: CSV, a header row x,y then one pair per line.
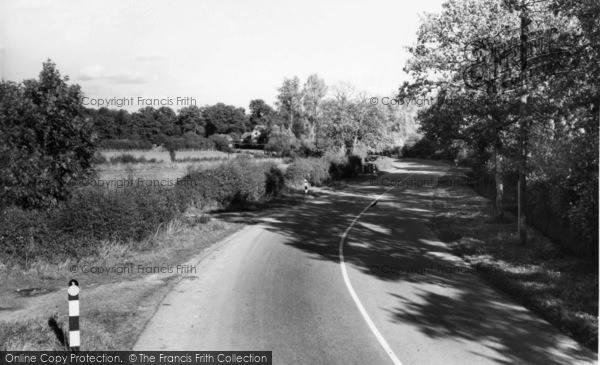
x,y
523,125
291,112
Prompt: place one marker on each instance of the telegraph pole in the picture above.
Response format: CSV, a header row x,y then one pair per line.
x,y
523,125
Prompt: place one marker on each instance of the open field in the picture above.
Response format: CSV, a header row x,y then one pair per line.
x,y
164,169
151,171
163,155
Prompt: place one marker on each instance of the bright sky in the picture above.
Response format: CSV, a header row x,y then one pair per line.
x,y
229,51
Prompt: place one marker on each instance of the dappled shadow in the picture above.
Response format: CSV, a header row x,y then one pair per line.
x,y
395,234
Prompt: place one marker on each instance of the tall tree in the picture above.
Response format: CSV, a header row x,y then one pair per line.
x,y
46,143
313,92
289,104
562,99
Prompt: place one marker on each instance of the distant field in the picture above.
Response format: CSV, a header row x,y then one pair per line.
x,y
164,155
164,169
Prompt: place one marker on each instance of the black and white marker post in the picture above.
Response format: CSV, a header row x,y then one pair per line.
x,y
305,186
74,339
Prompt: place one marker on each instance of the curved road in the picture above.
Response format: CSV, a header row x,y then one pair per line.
x,y
280,286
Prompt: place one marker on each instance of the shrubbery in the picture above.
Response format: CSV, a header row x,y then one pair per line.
x,y
195,143
92,215
26,234
344,166
127,158
322,170
221,143
130,213
422,148
231,184
315,170
274,182
383,163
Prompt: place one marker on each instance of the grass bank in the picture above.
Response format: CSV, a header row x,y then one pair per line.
x,y
115,305
561,289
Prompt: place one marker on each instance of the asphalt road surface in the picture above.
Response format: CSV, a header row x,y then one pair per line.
x,y
326,282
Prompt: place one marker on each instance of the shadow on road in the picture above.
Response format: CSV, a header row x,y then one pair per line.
x,y
395,233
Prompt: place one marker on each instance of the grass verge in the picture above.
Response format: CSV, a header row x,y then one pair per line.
x,y
561,289
114,307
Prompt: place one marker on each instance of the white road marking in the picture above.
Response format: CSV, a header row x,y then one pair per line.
x,y
361,308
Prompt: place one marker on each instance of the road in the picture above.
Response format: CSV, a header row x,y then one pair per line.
x,y
281,285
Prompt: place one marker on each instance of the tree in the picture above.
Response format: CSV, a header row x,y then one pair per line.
x,y
560,116
260,113
189,119
166,119
123,124
350,121
312,94
46,143
146,125
223,119
289,104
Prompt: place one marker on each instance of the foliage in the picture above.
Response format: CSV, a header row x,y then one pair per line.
x,y
315,170
289,104
45,142
423,148
188,142
235,183
282,141
130,213
127,158
221,143
223,119
260,114
275,181
561,117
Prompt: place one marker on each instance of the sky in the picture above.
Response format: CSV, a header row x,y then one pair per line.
x,y
205,52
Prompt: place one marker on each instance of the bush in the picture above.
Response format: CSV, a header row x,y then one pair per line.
x,y
28,235
127,158
221,143
282,141
189,142
130,213
21,230
423,148
274,182
342,167
315,170
234,183
99,159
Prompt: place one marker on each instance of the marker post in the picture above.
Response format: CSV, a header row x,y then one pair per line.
x,y
305,186
74,339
